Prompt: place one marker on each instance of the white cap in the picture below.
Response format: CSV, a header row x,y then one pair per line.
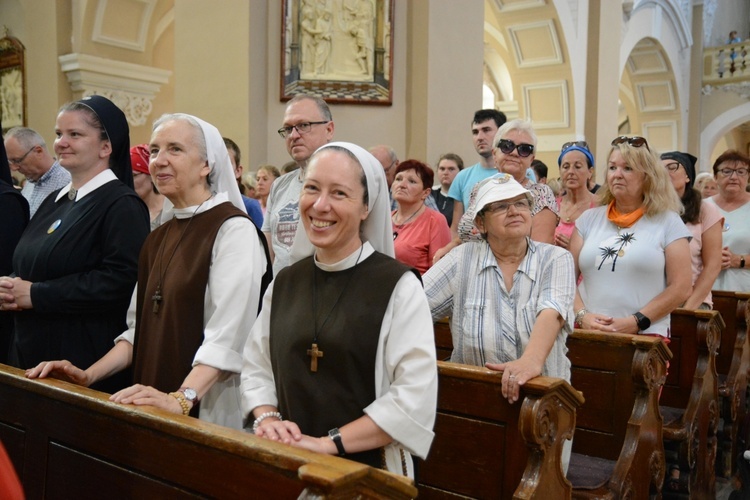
x,y
497,188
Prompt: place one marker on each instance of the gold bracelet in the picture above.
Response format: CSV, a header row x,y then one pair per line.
x,y
180,397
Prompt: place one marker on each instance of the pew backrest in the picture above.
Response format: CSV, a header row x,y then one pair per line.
x,y
620,377
485,447
71,442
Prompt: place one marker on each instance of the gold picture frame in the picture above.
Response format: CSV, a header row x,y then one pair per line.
x,y
12,83
340,50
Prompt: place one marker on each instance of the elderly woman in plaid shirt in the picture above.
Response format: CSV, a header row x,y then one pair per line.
x,y
513,296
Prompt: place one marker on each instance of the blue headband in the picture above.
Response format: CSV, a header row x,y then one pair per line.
x,y
585,151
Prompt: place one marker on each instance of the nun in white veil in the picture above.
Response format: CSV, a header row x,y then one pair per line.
x,y
341,359
200,282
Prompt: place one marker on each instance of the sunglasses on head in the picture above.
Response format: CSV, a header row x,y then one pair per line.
x,y
634,141
580,144
507,147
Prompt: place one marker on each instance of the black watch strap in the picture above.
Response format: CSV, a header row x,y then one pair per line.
x,y
643,321
335,435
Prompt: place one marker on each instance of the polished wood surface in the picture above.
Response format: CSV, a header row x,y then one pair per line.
x,y
487,448
690,396
71,442
620,377
732,366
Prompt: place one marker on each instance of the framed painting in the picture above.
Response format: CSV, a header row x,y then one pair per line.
x,y
340,50
12,83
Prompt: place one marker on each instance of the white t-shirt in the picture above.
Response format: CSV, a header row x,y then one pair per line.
x,y
282,217
736,236
624,269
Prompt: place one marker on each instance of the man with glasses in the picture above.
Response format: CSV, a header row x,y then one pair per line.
x,y
483,129
308,124
27,153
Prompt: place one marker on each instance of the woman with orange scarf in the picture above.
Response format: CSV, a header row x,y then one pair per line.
x,y
633,251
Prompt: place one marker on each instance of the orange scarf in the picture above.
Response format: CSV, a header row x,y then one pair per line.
x,y
623,220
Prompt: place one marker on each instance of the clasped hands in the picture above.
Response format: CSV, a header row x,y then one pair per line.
x,y
15,294
593,321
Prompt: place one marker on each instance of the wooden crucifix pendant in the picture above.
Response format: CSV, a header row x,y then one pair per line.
x,y
156,298
314,354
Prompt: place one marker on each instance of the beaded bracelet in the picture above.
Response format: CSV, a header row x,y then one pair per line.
x,y
264,416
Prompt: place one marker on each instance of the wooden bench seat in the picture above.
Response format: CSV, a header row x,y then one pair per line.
x,y
485,447
689,401
617,450
732,365
71,442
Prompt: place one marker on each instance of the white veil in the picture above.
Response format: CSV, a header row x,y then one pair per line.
x,y
377,227
221,175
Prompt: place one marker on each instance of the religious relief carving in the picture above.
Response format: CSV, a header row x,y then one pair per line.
x,y
12,83
340,50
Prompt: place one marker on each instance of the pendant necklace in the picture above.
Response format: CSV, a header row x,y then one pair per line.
x,y
314,352
399,227
157,297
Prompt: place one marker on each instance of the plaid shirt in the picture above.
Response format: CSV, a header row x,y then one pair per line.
x,y
492,324
36,191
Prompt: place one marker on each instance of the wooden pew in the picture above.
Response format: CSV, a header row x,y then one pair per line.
x,y
690,400
485,447
732,365
71,442
443,339
618,450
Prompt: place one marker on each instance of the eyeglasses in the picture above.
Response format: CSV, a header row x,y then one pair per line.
x,y
634,141
672,167
727,172
301,128
17,161
580,144
501,207
507,147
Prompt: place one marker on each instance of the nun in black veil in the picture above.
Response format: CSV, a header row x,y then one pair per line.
x,y
76,264
15,210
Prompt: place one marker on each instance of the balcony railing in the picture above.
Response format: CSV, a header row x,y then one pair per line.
x,y
726,64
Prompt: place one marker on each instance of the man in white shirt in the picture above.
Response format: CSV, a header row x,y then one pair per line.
x,y
308,124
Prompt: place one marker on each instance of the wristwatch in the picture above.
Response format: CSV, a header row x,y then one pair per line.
x,y
335,435
190,394
742,261
643,321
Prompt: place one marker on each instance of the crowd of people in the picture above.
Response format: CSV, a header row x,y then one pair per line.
x,y
161,275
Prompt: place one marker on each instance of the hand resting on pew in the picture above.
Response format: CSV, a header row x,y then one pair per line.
x,y
530,364
510,299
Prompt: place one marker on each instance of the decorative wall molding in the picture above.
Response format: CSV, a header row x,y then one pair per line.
x,y
131,86
531,37
511,5
742,89
658,132
546,104
139,30
655,96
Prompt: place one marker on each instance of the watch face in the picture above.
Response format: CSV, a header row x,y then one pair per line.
x,y
190,394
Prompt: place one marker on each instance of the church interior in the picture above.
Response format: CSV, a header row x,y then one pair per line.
x,y
577,69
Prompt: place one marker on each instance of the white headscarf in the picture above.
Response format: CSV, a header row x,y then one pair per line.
x,y
221,173
377,227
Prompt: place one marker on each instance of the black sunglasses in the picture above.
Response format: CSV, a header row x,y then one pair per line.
x,y
580,144
634,141
507,147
